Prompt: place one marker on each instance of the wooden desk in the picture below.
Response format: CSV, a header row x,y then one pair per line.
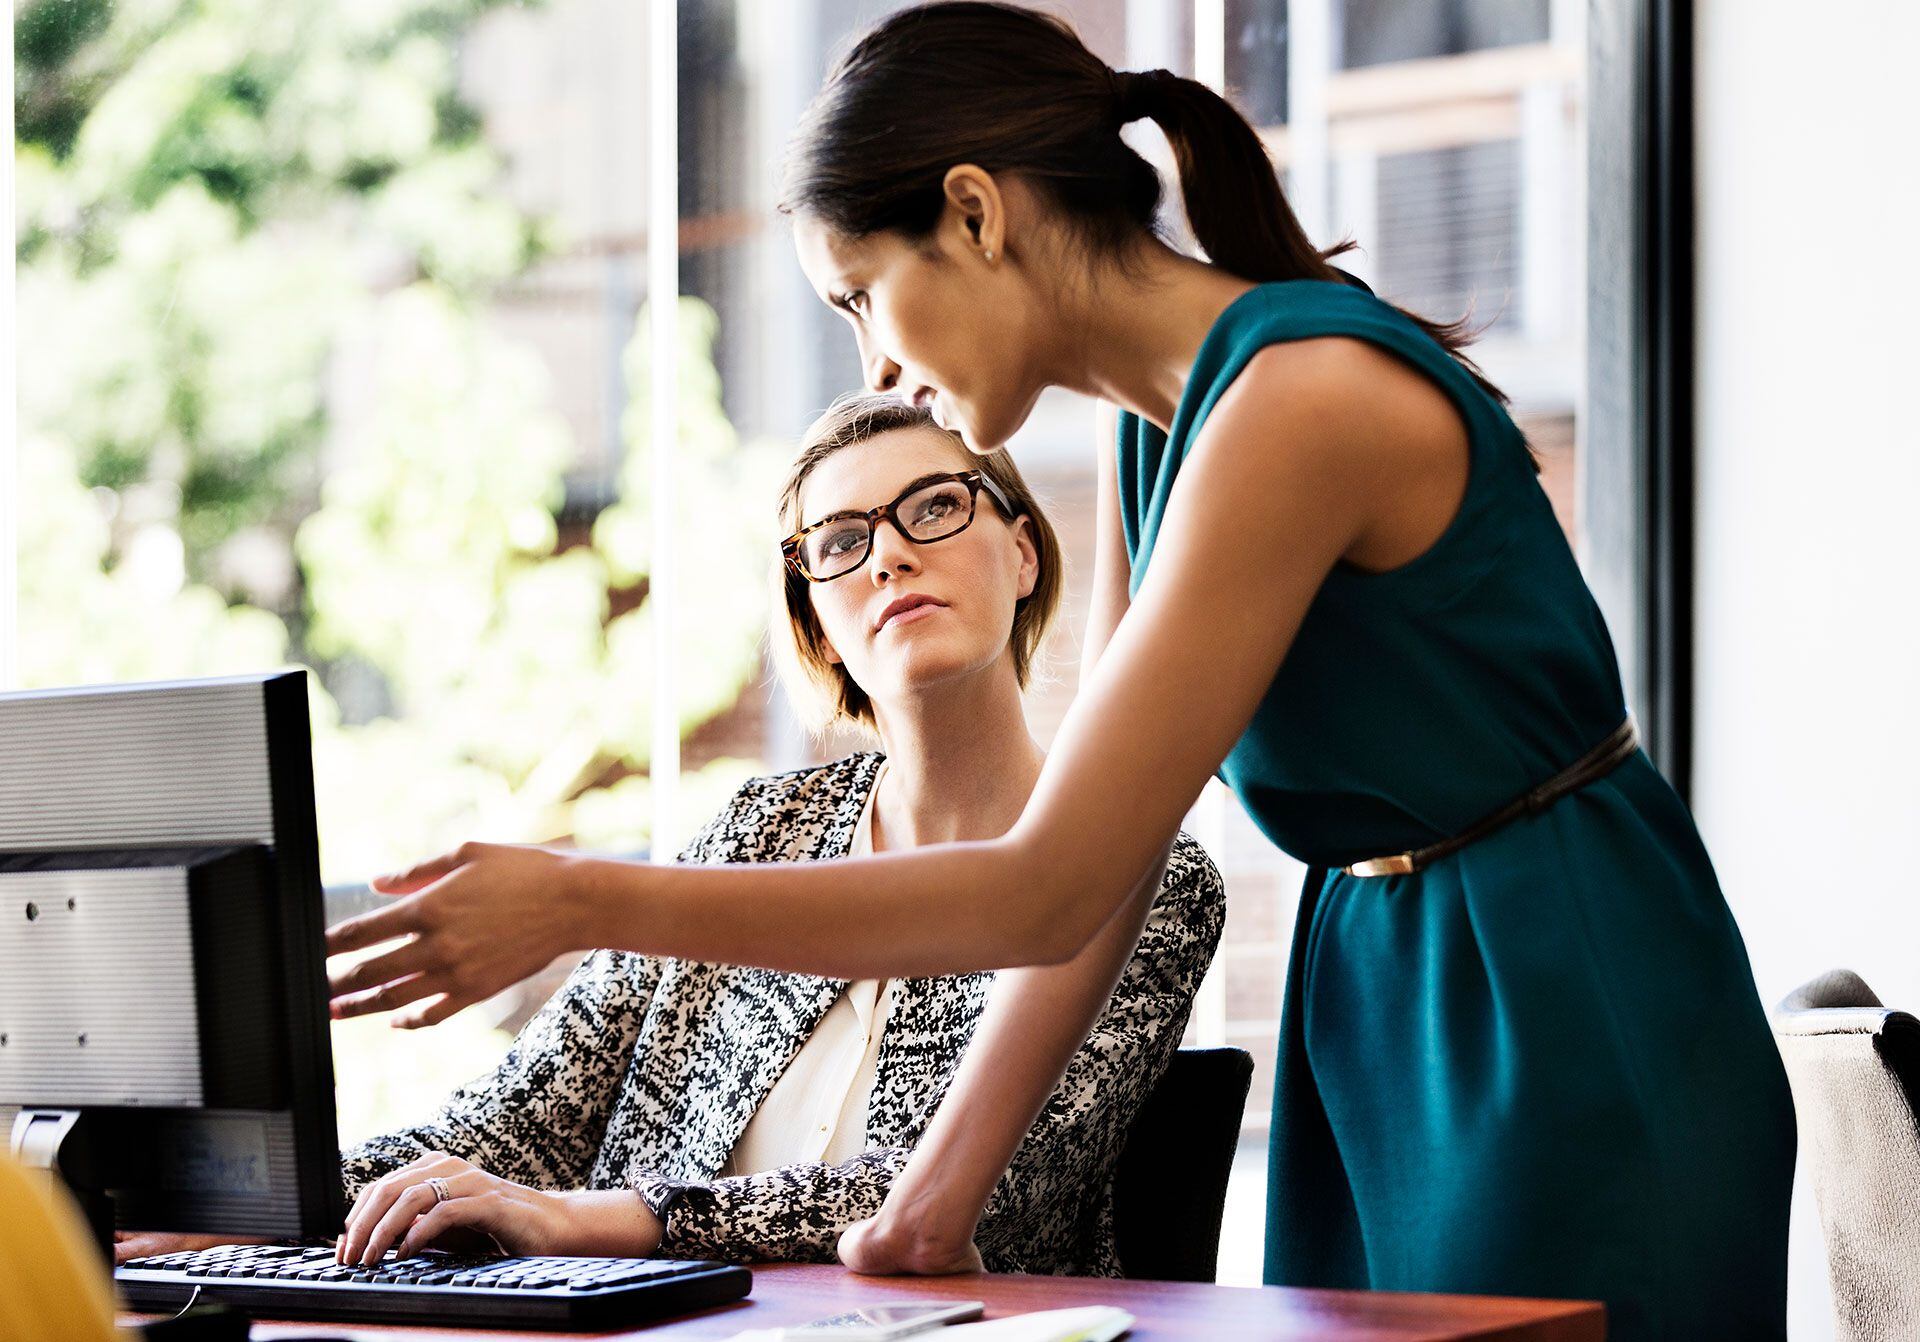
x,y
789,1294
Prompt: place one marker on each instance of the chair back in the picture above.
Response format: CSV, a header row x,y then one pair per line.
x,y
1855,1071
1170,1186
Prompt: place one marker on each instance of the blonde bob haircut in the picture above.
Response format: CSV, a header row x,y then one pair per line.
x,y
823,693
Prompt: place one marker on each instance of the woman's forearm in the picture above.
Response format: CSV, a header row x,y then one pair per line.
x,y
609,1223
1035,1020
957,908
792,1213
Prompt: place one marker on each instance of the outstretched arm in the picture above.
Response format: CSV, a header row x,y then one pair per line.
x,y
1320,450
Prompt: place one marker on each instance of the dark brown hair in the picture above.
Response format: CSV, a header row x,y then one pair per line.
x,y
1012,90
823,691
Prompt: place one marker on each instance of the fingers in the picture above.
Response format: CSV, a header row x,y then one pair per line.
x,y
372,1203
410,957
370,929
343,1243
380,1193
478,1213
151,1243
138,1244
403,1208
384,998
422,874
412,1204
468,934
380,982
378,1198
434,1011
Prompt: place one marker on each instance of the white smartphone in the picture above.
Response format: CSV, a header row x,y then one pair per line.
x,y
882,1323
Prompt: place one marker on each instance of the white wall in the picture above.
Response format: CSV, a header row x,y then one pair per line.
x,y
1807,740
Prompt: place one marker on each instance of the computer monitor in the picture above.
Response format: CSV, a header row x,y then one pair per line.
x,y
163,990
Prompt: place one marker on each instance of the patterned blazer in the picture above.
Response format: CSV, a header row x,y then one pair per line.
x,y
642,1072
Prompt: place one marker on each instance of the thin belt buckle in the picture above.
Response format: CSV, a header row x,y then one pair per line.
x,y
1597,763
1400,864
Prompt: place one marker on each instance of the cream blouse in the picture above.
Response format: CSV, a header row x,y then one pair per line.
x,y
817,1110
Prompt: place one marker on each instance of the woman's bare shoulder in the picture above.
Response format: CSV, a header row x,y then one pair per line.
x,y
1357,388
1383,441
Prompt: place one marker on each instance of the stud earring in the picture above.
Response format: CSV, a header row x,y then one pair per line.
x,y
989,254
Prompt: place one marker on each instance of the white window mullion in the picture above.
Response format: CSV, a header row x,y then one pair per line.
x,y
1210,43
663,299
1150,26
1310,63
10,432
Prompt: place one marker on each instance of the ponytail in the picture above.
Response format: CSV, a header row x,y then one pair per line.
x,y
1015,91
1234,204
1233,200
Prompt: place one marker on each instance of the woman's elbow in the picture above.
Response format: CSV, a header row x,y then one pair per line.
x,y
1055,915
1033,936
1053,942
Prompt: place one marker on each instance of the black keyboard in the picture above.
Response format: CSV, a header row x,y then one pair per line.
x,y
303,1282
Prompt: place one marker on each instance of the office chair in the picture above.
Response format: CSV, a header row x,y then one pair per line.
x,y
1855,1071
1170,1186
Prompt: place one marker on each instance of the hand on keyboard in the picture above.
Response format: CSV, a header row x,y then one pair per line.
x,y
446,1202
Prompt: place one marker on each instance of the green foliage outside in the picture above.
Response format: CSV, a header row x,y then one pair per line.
x,y
263,419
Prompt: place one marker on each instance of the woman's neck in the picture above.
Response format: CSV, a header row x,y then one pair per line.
x,y
1131,332
960,762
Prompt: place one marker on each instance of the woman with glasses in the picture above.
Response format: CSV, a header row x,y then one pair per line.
x,y
698,1111
1521,1050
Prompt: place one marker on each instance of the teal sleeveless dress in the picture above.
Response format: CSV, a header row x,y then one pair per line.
x,y
1540,1066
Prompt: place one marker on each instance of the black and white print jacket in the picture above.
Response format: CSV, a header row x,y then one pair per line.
x,y
642,1072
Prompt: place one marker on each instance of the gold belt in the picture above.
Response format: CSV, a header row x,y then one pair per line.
x,y
1602,760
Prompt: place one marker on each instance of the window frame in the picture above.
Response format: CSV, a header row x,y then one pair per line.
x,y
1636,495
1636,491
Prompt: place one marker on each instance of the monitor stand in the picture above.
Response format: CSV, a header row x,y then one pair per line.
x,y
61,1142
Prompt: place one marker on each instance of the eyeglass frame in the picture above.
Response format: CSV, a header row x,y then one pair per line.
x,y
974,481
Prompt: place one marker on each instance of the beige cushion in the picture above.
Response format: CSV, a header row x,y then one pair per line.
x,y
1855,1071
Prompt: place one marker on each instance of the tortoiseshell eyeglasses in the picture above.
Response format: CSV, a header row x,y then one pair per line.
x,y
932,508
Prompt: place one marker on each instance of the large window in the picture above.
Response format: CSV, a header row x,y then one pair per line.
x,y
340,337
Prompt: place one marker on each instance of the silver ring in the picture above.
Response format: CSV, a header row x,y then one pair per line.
x,y
439,1187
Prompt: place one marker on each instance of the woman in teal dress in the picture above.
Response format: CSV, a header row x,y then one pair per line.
x,y
1538,1064
1531,1061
